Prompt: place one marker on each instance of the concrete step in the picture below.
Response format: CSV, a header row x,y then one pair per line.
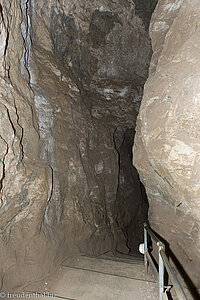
x,y
106,277
117,256
109,264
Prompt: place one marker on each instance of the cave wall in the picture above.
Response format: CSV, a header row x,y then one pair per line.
x,y
71,73
167,147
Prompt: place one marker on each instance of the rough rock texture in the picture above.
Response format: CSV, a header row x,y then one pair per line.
x,y
167,146
71,73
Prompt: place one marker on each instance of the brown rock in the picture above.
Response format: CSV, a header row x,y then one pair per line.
x,y
166,151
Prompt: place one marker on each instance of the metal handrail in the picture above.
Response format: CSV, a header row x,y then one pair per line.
x,y
163,264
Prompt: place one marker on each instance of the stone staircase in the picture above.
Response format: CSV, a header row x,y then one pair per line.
x,y
111,276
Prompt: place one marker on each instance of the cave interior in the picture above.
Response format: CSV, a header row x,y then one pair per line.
x,y
82,132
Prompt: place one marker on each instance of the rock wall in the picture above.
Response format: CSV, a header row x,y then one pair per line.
x,y
167,146
71,73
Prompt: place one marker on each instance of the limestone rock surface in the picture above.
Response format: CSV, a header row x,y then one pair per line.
x,y
167,144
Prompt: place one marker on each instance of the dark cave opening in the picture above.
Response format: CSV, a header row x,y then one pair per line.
x,y
131,200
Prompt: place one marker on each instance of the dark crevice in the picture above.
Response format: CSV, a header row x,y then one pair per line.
x,y
25,11
144,10
6,27
4,165
131,201
21,155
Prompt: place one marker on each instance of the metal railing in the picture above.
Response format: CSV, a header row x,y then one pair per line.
x,y
163,264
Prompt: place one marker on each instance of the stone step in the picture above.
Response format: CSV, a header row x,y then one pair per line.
x,y
101,278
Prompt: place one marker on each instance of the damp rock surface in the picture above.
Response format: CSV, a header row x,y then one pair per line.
x,y
166,151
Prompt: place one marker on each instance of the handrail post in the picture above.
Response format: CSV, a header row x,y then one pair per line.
x,y
179,291
164,264
145,249
161,246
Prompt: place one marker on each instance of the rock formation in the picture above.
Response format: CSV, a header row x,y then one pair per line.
x,y
167,147
71,82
